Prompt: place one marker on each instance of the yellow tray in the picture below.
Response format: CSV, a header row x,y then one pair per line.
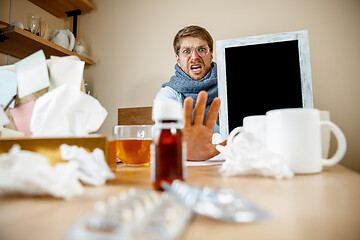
x,y
49,147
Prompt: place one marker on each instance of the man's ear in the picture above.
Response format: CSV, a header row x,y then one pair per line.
x,y
177,58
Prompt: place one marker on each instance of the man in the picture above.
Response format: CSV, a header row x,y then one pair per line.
x,y
194,72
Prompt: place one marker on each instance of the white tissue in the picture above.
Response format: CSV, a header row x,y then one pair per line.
x,y
31,174
246,155
65,70
93,169
66,111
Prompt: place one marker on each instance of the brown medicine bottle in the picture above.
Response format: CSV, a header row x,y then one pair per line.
x,y
168,151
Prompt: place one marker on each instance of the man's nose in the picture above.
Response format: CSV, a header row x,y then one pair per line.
x,y
194,55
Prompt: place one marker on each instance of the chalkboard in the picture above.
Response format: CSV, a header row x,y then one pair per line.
x,y
261,73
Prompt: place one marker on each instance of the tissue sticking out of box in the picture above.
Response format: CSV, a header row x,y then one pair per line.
x,y
31,174
247,155
66,111
65,70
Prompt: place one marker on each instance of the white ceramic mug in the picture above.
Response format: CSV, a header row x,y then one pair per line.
x,y
295,134
256,125
325,134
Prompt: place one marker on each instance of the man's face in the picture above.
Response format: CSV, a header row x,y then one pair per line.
x,y
194,65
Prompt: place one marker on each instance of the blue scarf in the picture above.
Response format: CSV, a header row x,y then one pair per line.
x,y
189,87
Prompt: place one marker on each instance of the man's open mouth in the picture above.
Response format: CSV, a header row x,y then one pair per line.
x,y
196,68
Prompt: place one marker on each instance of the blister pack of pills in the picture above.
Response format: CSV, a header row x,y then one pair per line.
x,y
220,204
134,214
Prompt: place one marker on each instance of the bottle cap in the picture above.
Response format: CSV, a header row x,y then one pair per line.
x,y
167,110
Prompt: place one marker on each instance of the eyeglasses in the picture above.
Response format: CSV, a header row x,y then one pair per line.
x,y
202,51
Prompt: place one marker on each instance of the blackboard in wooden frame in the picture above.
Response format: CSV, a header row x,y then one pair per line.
x,y
261,73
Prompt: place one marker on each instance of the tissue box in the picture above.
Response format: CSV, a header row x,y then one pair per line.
x,y
49,147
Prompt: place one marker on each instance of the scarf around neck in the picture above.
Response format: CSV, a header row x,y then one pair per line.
x,y
189,87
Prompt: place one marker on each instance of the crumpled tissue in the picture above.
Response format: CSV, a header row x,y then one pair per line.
x,y
31,174
246,155
66,111
93,169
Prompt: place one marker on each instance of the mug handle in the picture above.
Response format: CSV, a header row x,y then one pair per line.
x,y
341,141
233,133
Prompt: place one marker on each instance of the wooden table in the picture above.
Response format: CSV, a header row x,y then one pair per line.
x,y
318,206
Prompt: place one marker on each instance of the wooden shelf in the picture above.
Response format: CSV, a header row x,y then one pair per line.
x,y
20,43
58,8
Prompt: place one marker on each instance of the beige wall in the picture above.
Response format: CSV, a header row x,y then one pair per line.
x,y
132,43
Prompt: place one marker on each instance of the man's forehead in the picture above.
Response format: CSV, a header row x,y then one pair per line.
x,y
192,42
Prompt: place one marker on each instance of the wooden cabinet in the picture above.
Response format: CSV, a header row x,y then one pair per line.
x,y
20,43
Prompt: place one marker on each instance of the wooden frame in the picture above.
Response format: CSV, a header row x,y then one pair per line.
x,y
283,59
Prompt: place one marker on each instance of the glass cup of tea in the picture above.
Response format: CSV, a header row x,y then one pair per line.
x,y
133,144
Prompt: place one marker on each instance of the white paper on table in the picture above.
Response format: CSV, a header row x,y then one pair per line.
x,y
3,117
8,86
209,162
32,74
